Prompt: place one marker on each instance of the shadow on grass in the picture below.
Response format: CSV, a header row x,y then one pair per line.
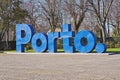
x,y
113,52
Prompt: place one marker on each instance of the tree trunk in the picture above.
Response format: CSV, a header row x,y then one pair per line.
x,y
101,38
75,29
103,35
52,29
6,41
74,26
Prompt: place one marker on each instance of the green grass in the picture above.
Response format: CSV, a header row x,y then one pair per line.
x,y
113,50
109,50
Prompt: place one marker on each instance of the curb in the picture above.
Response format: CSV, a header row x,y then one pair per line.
x,y
61,53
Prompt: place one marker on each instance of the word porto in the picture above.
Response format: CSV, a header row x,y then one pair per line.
x,y
84,41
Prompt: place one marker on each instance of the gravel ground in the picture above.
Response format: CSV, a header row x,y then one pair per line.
x,y
59,67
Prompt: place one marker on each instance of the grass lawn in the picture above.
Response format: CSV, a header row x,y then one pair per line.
x,y
116,50
109,50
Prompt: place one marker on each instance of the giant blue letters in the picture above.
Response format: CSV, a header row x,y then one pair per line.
x,y
67,35
39,42
24,33
79,43
101,48
52,41
84,41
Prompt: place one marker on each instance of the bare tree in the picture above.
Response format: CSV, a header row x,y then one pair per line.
x,y
76,9
101,9
51,13
90,23
114,17
33,14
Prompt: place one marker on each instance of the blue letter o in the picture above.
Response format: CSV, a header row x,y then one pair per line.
x,y
39,42
79,41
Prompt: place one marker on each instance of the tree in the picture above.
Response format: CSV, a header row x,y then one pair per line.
x,y
51,13
3,17
90,23
114,18
76,9
10,14
101,9
34,13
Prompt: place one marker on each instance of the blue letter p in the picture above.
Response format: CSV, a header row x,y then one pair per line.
x,y
24,33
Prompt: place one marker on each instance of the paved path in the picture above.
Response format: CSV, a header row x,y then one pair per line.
x,y
59,67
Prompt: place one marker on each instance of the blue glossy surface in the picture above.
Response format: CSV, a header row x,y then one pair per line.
x,y
52,41
39,42
91,41
24,33
67,41
66,36
84,41
101,48
66,28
